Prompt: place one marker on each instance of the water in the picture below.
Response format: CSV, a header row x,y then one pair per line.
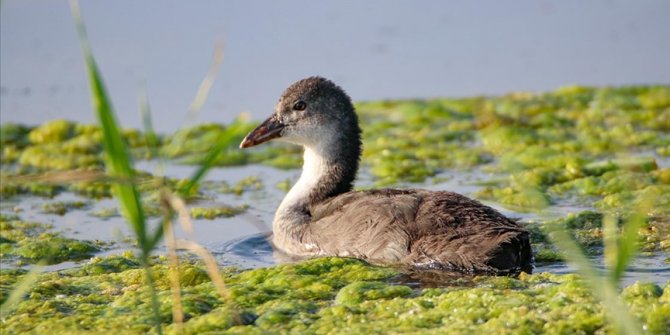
x,y
374,49
251,251
242,241
255,251
652,268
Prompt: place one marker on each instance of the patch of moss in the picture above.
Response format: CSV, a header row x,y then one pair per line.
x,y
211,213
574,145
250,183
326,295
62,207
357,292
34,242
105,213
53,248
52,132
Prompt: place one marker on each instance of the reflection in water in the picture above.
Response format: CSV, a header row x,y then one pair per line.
x,y
256,251
421,279
252,252
652,268
248,252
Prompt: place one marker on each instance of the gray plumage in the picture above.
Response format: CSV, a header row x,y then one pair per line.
x,y
419,228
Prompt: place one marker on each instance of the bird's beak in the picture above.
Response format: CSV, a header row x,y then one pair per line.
x,y
269,129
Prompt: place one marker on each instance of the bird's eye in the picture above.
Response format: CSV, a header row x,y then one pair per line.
x,y
299,105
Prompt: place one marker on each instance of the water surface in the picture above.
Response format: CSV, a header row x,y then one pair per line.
x,y
242,240
374,49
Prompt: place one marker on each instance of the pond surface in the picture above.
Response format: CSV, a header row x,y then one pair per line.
x,y
373,49
255,251
242,240
574,144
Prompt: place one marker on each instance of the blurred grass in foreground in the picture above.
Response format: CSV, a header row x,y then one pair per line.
x,y
620,248
118,163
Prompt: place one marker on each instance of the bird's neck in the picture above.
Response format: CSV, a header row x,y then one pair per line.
x,y
329,169
326,172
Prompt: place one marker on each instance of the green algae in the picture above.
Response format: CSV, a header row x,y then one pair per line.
x,y
575,145
357,292
91,189
572,142
603,147
250,183
586,228
61,145
326,295
62,207
8,279
284,185
50,132
211,213
33,242
53,249
192,145
105,213
552,146
151,209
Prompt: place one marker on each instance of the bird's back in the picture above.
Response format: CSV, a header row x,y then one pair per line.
x,y
424,229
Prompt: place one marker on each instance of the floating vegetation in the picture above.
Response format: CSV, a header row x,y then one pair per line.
x,y
246,184
211,213
575,145
587,229
62,207
31,242
602,152
320,295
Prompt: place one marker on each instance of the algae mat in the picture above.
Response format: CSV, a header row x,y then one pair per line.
x,y
321,296
573,157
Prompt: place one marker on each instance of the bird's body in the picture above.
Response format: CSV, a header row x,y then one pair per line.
x,y
322,216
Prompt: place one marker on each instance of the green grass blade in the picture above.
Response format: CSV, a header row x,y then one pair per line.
x,y
602,288
154,145
627,246
152,240
117,157
206,84
18,291
147,122
224,141
610,244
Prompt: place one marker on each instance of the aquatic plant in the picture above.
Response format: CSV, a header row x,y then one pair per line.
x,y
324,295
119,168
119,164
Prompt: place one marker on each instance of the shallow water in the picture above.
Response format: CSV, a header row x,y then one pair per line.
x,y
251,251
256,251
242,240
644,268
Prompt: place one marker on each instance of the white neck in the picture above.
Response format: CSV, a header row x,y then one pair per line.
x,y
313,170
327,170
292,216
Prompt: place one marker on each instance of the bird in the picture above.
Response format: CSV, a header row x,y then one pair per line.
x,y
322,215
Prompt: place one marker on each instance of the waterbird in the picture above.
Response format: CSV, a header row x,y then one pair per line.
x,y
322,216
